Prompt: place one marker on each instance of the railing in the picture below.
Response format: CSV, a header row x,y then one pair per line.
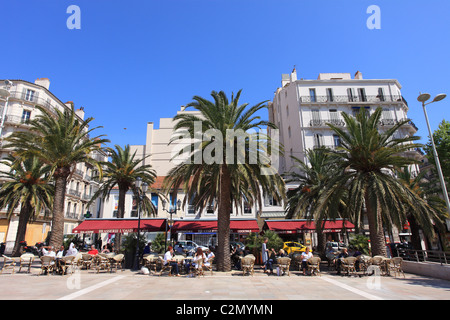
x,y
33,99
442,257
359,99
323,123
16,120
74,192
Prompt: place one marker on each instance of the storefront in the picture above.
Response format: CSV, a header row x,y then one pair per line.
x,y
204,232
304,231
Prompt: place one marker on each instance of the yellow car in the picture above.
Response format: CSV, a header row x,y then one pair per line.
x,y
292,247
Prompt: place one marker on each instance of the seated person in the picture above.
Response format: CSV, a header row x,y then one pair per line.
x,y
93,251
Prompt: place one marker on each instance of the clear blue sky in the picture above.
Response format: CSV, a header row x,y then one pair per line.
x,y
134,62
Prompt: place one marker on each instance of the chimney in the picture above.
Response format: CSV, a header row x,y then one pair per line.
x,y
80,113
294,75
358,75
285,79
44,82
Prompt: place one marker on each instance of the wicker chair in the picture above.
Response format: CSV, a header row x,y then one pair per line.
x,y
395,265
197,268
47,264
8,263
86,260
102,263
25,261
116,262
314,265
284,263
151,262
247,265
66,263
164,267
378,262
209,265
348,265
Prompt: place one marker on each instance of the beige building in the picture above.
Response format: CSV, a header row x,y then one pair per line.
x,y
18,101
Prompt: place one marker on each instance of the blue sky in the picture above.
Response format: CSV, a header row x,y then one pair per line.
x,y
133,61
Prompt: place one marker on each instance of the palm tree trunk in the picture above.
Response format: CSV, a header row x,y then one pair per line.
x,y
24,216
120,214
415,235
223,221
377,241
57,233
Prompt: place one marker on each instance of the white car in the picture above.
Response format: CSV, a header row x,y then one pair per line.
x,y
188,245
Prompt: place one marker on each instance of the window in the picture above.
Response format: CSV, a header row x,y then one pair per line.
x,y
362,94
330,95
26,116
270,201
356,110
134,207
336,140
334,117
312,95
116,206
350,94
315,115
289,132
155,201
287,111
318,140
30,95
381,94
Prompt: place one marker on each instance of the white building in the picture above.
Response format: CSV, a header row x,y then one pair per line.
x,y
301,109
18,101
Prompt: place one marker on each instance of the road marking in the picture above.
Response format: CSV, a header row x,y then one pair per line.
x,y
91,288
354,290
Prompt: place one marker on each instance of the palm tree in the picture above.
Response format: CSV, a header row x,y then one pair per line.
x,y
368,160
27,186
312,178
229,174
122,172
60,140
429,192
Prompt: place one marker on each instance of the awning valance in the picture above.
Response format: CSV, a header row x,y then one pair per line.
x,y
208,226
119,225
304,226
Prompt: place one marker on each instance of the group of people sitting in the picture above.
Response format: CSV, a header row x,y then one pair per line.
x,y
205,259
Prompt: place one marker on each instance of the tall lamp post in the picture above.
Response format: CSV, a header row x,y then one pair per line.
x,y
423,98
170,222
141,189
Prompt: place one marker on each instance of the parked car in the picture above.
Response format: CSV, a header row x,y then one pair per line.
x,y
334,246
291,247
399,249
188,246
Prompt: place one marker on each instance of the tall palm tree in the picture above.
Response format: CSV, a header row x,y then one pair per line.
x,y
60,140
28,186
367,172
312,178
122,172
229,174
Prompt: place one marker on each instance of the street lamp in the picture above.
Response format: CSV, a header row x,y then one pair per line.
x,y
170,222
141,189
424,97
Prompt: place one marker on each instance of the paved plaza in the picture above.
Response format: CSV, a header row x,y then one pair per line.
x,y
230,286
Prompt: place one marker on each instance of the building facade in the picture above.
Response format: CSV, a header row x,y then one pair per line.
x,y
302,108
18,103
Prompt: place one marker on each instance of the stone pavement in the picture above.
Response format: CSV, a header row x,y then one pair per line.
x,y
230,286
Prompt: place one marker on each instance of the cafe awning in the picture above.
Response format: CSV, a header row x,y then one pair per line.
x,y
304,226
210,226
119,225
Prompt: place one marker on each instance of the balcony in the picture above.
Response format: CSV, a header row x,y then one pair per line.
x,y
74,192
16,120
323,123
349,99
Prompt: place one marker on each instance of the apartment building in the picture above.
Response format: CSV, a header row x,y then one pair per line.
x,y
301,108
18,102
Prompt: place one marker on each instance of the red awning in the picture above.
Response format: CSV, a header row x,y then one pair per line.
x,y
119,225
203,226
300,226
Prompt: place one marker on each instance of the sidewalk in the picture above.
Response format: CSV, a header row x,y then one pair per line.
x,y
231,286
